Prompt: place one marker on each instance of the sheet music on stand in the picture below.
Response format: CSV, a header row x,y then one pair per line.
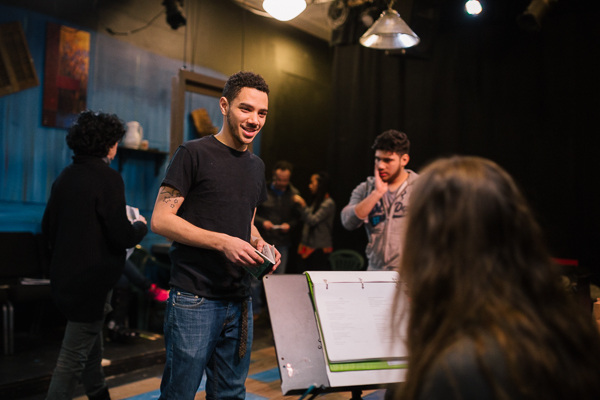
x,y
353,312
299,346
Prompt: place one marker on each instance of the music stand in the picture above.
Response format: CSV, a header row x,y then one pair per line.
x,y
298,344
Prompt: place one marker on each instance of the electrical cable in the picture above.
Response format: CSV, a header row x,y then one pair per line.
x,y
110,31
195,12
243,37
185,35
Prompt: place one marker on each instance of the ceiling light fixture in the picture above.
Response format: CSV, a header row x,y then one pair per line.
x,y
389,32
473,7
284,10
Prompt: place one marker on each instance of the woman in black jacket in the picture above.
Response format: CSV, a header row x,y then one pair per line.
x,y
88,230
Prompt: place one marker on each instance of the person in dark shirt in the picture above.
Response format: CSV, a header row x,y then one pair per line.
x,y
88,232
277,217
206,205
489,317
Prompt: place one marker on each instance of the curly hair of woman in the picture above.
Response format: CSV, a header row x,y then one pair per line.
x,y
94,133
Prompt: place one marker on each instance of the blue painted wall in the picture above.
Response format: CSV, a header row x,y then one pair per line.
x,y
133,83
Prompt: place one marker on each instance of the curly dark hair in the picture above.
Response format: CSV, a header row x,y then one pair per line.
x,y
94,133
392,140
240,80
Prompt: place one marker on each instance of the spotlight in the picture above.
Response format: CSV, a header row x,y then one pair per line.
x,y
175,17
473,7
531,19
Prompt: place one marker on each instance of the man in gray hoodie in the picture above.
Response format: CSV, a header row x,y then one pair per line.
x,y
381,202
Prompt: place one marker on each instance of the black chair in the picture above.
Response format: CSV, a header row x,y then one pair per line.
x,y
346,260
24,260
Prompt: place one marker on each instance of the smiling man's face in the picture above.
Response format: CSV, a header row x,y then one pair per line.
x,y
246,115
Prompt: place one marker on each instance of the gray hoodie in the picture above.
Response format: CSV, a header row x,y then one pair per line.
x,y
385,228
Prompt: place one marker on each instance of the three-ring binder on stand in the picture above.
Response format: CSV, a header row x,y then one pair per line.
x,y
354,312
346,340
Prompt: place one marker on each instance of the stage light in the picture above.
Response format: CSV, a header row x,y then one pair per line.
x,y
369,16
284,10
473,7
532,18
175,16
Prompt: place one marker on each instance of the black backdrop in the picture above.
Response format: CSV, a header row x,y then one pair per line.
x,y
483,86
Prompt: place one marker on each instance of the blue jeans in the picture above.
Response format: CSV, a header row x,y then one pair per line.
x,y
203,334
80,359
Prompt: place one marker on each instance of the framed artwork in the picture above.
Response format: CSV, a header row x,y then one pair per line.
x,y
188,81
17,71
65,75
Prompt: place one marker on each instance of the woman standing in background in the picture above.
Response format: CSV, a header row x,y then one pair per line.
x,y
316,243
489,318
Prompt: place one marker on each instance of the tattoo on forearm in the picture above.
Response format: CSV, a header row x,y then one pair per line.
x,y
170,196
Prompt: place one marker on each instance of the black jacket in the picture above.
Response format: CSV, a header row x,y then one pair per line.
x,y
278,209
88,231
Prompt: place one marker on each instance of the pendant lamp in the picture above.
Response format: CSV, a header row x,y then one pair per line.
x,y
389,32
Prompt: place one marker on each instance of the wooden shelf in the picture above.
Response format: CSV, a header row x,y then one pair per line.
x,y
158,156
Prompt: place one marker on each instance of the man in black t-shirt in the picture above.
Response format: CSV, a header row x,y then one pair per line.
x,y
206,205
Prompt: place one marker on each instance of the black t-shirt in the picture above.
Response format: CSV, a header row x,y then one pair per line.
x,y
221,188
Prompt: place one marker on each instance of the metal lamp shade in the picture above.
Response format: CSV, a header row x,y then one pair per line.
x,y
389,32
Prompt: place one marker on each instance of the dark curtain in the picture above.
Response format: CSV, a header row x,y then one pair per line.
x,y
367,92
485,87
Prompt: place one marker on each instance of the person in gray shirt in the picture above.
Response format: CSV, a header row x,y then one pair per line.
x,y
380,203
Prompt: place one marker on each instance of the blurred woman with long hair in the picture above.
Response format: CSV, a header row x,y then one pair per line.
x,y
316,242
489,318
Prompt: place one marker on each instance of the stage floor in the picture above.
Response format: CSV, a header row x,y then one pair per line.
x,y
134,370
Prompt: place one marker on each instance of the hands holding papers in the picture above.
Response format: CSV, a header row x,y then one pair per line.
x,y
133,215
271,258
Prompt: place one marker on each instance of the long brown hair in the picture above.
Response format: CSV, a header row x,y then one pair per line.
x,y
322,190
476,267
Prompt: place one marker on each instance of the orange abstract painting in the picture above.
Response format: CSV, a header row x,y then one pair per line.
x,y
66,75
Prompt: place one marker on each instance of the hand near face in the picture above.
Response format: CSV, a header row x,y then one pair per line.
x,y
380,185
